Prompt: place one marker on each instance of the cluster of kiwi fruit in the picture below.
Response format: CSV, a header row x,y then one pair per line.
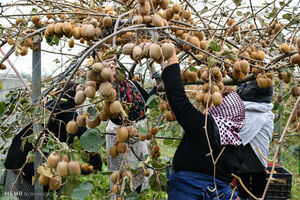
x,y
155,151
295,59
117,178
210,94
169,116
274,28
123,134
150,133
61,167
235,27
149,50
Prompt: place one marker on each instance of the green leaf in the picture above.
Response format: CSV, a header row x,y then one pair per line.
x,y
193,69
237,2
2,106
168,141
82,191
152,102
211,62
132,196
1,85
214,46
53,41
154,184
93,114
70,185
106,172
91,140
34,10
274,12
287,16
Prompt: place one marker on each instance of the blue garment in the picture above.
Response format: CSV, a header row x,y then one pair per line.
x,y
186,185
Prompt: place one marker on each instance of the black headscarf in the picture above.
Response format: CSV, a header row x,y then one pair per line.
x,y
252,92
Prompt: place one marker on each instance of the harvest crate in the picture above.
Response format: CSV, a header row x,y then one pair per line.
x,y
280,187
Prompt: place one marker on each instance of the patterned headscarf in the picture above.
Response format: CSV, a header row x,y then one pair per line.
x,y
230,118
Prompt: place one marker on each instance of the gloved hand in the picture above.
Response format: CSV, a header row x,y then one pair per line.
x,y
156,75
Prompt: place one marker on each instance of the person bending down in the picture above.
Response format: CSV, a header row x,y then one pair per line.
x,y
193,176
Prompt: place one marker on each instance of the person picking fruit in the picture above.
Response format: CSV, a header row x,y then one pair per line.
x,y
194,177
256,137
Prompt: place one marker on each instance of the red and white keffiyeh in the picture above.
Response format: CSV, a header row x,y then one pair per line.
x,y
230,118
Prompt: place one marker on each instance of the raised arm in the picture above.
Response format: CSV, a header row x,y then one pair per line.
x,y
185,113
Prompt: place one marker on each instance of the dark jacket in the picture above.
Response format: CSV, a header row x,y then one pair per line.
x,y
16,157
192,153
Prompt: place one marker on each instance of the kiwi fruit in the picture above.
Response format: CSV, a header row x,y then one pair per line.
x,y
28,42
168,50
116,189
35,19
10,41
97,67
115,107
146,172
286,77
295,91
19,20
77,33
162,107
154,130
199,34
203,44
215,71
90,92
93,123
186,14
54,183
71,43
170,116
79,97
64,157
115,177
72,127
62,168
127,48
112,97
298,42
230,21
193,77
74,167
105,88
80,120
205,76
142,137
113,151
88,31
217,98
195,41
260,55
131,131
199,97
122,134
79,87
58,29
262,82
141,1
43,180
169,14
176,17
3,67
144,9
284,48
103,116
295,59
244,66
155,52
106,73
24,51
137,53
147,19
121,147
53,160
237,66
157,20
107,22
67,28
164,4
176,8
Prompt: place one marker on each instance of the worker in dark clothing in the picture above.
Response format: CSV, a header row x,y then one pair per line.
x,y
193,176
17,154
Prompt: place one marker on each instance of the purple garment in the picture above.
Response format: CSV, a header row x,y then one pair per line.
x,y
230,118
